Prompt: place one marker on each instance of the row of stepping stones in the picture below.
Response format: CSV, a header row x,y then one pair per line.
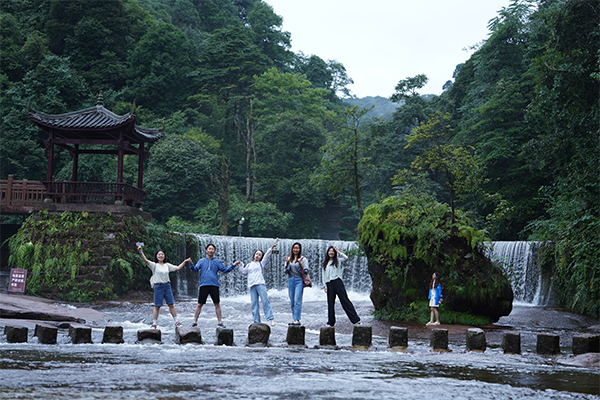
x,y
258,336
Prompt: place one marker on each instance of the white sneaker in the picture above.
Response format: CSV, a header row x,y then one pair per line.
x,y
429,323
272,322
436,323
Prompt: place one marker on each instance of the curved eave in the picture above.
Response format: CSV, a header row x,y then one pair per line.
x,y
94,123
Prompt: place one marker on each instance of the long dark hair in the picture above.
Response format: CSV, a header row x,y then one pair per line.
x,y
158,251
435,280
335,258
292,252
262,254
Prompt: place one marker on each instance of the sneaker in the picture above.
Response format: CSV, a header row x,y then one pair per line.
x,y
153,326
221,325
429,323
194,324
177,324
436,323
358,323
297,322
328,325
272,322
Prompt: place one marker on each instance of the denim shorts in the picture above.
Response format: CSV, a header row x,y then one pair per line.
x,y
163,291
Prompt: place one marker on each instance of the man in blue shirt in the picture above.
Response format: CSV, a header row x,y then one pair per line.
x,y
209,282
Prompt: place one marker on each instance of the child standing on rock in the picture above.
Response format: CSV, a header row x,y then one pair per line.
x,y
435,298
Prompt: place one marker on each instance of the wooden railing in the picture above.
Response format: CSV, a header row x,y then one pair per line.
x,y
19,196
15,195
93,192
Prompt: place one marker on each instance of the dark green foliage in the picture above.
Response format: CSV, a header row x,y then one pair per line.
x,y
179,169
407,238
419,311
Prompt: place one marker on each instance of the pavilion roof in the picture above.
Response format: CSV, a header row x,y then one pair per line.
x,y
94,123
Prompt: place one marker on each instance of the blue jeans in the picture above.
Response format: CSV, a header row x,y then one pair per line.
x,y
295,290
162,291
257,291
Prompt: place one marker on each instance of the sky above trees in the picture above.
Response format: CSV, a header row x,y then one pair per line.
x,y
383,41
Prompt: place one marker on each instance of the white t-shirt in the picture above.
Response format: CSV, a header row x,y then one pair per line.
x,y
160,272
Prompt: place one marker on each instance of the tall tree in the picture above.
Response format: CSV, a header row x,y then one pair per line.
x,y
346,158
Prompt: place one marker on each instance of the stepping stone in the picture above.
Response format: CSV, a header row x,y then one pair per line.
x,y
80,334
113,334
225,336
476,340
511,343
258,335
16,334
398,337
547,344
438,339
327,337
362,336
149,336
586,343
46,334
190,335
295,335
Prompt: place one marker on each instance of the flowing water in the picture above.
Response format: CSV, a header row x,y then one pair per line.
x,y
170,371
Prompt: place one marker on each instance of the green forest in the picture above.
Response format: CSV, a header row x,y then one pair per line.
x,y
253,129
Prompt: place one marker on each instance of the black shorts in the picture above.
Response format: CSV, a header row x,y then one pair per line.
x,y
205,291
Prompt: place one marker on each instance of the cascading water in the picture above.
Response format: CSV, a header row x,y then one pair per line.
x,y
519,259
230,248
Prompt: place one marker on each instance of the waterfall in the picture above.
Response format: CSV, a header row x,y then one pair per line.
x,y
519,259
231,248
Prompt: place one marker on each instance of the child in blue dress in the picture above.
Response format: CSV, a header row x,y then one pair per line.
x,y
435,298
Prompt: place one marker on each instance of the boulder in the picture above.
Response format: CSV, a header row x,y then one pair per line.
x,y
46,334
438,339
586,343
149,336
16,334
113,334
258,335
547,344
80,334
398,337
362,336
476,339
511,343
327,337
190,335
295,335
225,336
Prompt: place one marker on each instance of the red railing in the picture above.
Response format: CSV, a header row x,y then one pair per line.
x,y
93,192
15,195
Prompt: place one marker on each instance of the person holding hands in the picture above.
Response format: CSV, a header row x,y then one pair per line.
x,y
256,283
209,282
295,264
162,284
332,279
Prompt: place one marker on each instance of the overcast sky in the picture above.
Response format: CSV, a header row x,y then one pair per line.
x,y
381,42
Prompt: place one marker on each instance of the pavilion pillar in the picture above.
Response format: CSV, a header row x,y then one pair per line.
x,y
142,156
50,146
75,156
121,156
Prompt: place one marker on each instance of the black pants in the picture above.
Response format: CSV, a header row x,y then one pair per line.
x,y
336,287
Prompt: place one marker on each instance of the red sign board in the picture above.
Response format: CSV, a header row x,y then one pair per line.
x,y
18,278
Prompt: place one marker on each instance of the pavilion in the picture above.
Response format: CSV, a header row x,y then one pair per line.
x,y
95,130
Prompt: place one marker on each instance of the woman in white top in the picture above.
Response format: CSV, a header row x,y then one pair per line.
x,y
256,283
332,279
162,284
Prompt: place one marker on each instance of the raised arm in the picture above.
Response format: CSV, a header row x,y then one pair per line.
x,y
143,255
